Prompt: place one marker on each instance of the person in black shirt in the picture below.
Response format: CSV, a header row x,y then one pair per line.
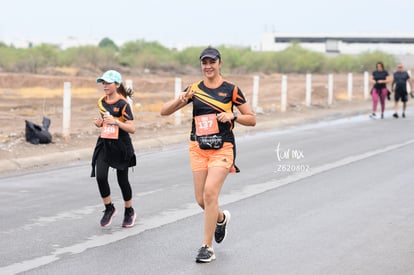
x,y
114,146
399,87
380,78
212,143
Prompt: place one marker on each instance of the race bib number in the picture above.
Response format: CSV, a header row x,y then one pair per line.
x,y
109,131
206,125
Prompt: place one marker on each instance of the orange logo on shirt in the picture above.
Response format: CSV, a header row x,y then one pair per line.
x,y
116,109
222,94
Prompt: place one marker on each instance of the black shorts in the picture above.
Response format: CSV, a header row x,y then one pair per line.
x,y
401,94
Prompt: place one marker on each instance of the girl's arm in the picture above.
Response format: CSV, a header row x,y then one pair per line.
x,y
98,121
128,126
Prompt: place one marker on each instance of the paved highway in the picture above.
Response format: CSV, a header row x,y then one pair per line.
x,y
332,197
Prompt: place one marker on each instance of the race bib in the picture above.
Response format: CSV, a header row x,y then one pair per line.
x,y
109,131
206,125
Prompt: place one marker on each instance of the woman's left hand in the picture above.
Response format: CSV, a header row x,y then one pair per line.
x,y
225,117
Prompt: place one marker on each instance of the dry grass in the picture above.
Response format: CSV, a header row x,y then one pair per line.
x,y
42,92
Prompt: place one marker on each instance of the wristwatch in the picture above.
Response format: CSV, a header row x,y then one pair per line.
x,y
235,114
116,122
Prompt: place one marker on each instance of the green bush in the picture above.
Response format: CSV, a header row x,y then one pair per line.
x,y
88,56
9,58
367,60
144,54
30,60
40,57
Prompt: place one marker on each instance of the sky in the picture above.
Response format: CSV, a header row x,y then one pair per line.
x,y
192,22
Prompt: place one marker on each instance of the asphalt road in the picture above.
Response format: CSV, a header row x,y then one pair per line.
x,y
333,197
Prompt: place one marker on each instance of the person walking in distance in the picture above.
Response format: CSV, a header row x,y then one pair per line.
x,y
212,143
114,147
380,78
399,88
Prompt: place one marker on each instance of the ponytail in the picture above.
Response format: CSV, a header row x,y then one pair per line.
x,y
125,92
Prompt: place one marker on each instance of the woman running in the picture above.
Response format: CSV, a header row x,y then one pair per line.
x,y
114,147
380,78
212,143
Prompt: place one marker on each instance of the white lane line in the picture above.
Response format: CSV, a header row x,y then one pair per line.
x,y
186,211
76,214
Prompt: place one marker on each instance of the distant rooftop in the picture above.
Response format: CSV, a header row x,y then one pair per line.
x,y
350,43
346,38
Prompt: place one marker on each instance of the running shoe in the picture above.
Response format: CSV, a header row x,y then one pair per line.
x,y
205,254
382,115
109,212
129,217
221,228
403,115
396,115
373,115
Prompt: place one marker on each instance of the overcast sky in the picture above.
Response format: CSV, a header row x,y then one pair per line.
x,y
193,22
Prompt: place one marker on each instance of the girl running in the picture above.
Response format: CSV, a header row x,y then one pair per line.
x,y
114,147
212,143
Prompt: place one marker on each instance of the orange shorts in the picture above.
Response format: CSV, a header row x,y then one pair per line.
x,y
201,160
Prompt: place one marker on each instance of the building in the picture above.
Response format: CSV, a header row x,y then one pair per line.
x,y
396,44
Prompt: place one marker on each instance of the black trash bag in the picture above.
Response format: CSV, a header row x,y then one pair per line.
x,y
36,134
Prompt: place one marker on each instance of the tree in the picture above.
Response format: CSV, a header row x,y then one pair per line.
x,y
108,43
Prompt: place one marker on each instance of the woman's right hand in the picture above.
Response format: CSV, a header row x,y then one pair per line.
x,y
176,104
185,96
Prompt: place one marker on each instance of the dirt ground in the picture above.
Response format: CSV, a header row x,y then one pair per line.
x,y
30,97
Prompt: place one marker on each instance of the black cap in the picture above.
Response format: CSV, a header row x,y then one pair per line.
x,y
210,52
